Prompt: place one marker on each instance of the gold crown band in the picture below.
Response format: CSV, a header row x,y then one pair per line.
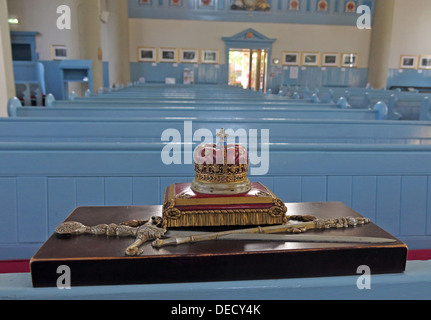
x,y
221,169
221,178
216,173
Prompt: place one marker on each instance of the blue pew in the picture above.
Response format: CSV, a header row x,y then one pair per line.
x,y
379,112
425,114
41,183
183,91
210,102
408,105
216,94
150,130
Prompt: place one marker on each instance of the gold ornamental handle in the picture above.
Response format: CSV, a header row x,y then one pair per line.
x,y
285,228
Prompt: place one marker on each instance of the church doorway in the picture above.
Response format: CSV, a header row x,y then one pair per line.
x,y
247,59
247,68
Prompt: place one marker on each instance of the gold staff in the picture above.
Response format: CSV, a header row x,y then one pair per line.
x,y
318,224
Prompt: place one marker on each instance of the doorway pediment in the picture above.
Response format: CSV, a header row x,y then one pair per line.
x,y
249,38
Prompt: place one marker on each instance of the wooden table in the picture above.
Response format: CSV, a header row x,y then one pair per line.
x,y
99,260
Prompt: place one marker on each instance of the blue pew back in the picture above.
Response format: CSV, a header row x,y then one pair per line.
x,y
407,104
380,112
150,130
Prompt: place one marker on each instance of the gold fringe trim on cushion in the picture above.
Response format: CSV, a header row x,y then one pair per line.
x,y
174,217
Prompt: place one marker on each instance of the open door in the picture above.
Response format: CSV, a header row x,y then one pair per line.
x,y
249,53
247,68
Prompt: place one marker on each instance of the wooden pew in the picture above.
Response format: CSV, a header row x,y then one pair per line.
x,y
135,96
96,101
425,114
379,112
41,183
211,96
408,105
183,92
22,129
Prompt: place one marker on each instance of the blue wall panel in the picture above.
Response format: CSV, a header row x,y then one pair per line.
x,y
62,196
413,201
90,191
146,191
288,189
429,207
211,74
217,74
118,191
364,195
155,73
53,78
409,78
8,212
316,77
32,209
388,200
314,188
158,72
313,77
340,189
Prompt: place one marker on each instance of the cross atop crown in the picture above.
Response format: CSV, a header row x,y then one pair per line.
x,y
222,135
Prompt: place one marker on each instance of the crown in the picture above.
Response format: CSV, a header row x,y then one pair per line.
x,y
221,168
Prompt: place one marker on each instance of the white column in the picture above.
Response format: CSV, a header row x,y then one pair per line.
x,y
380,48
90,43
117,41
7,81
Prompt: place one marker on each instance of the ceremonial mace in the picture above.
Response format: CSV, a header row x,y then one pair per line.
x,y
152,229
245,234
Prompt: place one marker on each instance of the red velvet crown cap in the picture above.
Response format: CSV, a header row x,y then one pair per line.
x,y
213,154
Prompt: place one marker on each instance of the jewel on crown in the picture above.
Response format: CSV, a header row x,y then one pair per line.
x,y
221,168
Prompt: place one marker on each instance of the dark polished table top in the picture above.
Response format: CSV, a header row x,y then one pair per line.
x,y
219,260
102,246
